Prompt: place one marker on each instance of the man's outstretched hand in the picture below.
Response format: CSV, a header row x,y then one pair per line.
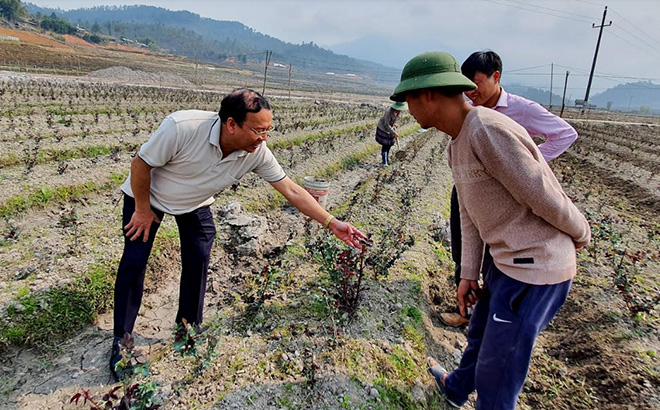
x,y
347,233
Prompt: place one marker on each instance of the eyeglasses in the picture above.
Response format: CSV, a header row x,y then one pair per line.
x,y
263,133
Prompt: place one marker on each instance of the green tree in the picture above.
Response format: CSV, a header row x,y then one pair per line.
x,y
119,28
11,9
94,38
56,24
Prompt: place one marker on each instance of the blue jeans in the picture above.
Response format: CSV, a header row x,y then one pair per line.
x,y
504,325
196,235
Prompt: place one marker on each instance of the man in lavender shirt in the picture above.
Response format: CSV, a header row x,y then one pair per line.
x,y
484,68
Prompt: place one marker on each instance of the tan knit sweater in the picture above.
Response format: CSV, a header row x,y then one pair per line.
x,y
510,199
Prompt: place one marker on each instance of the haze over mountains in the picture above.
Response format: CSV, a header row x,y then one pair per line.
x,y
190,35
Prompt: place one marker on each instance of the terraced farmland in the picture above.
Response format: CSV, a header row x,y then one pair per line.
x,y
276,336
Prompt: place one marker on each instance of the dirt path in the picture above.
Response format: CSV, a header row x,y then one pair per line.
x,y
47,381
597,354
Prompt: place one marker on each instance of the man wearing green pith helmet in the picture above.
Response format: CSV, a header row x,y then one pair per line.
x,y
510,200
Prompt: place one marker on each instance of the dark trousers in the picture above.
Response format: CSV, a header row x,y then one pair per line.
x,y
385,153
505,323
455,234
196,235
456,237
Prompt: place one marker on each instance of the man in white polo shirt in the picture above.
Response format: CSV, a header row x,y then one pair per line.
x,y
192,156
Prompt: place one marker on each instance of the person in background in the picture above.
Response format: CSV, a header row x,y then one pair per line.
x,y
386,134
484,68
192,156
508,198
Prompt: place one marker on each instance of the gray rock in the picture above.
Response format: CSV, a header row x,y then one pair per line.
x,y
418,394
457,354
231,208
460,343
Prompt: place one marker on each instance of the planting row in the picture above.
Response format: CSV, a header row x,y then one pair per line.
x,y
634,138
78,182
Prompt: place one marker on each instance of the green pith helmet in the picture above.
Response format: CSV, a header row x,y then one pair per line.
x,y
432,69
400,106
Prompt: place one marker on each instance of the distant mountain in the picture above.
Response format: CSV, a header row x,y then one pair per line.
x,y
535,94
188,34
393,51
640,96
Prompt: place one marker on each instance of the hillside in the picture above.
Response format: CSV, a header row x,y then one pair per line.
x,y
40,51
640,96
188,34
535,94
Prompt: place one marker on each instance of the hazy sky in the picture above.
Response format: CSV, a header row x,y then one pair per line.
x,y
526,34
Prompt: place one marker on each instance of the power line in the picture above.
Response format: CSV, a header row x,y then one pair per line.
x,y
602,74
655,50
538,74
584,73
548,8
605,76
636,26
537,11
635,45
590,2
526,68
573,68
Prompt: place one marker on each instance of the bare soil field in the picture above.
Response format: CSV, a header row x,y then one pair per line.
x,y
275,335
41,52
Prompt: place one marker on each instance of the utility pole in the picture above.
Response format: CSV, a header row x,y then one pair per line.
x,y
552,73
289,81
269,54
563,98
593,65
196,64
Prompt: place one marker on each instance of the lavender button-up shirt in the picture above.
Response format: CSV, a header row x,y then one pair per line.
x,y
558,134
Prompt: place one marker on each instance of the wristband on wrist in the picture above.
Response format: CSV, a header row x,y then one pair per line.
x,y
329,219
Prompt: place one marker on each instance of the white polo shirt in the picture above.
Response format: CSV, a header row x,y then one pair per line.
x,y
188,167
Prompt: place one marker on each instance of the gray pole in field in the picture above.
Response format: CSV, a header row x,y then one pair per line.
x,y
563,98
269,54
593,65
289,81
552,73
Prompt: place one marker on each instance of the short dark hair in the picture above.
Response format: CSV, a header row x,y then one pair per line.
x,y
486,62
239,102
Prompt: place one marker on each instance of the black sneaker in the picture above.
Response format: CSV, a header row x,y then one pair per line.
x,y
115,357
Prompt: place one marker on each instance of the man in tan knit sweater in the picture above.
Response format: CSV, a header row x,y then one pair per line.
x,y
509,199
